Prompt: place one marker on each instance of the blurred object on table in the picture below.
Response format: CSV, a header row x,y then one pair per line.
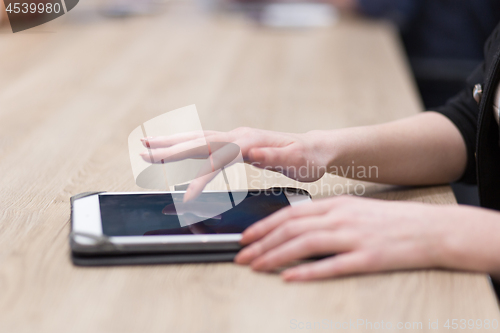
x,y
279,14
125,8
443,38
298,15
344,5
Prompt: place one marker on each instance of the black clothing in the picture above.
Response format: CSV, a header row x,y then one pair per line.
x,y
443,39
478,126
439,29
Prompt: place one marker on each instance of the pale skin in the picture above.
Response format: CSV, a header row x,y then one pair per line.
x,y
359,235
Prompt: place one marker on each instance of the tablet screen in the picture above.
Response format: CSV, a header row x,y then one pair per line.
x,y
153,214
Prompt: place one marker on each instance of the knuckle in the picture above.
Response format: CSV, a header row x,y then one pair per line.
x,y
289,230
289,213
337,223
340,219
371,259
300,149
243,130
342,200
311,242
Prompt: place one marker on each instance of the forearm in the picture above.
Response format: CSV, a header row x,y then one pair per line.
x,y
420,150
469,240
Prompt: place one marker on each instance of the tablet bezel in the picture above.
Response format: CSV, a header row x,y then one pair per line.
x,y
86,221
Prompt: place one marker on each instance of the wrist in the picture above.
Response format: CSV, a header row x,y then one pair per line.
x,y
339,148
469,240
324,147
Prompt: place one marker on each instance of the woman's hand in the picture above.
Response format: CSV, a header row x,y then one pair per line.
x,y
370,235
294,155
265,149
420,150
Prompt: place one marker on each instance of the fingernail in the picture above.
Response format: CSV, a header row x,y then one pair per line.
x,y
287,276
186,196
238,259
247,236
259,265
243,240
292,274
244,256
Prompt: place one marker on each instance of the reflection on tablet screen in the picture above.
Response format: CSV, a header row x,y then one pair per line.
x,y
155,214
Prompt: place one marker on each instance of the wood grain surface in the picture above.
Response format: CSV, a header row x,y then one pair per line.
x,y
72,90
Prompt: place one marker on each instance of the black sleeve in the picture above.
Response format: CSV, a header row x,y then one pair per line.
x,y
463,111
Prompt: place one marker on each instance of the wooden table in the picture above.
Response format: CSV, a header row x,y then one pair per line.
x,y
72,90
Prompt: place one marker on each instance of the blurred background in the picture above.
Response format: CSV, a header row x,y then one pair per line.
x,y
73,89
442,39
